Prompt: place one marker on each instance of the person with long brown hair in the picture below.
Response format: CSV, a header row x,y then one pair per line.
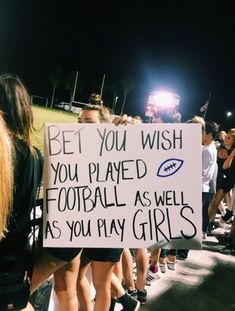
x,y
15,251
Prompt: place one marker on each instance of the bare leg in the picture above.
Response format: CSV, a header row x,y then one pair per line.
x,y
141,267
155,254
102,274
127,267
83,287
172,258
228,196
214,204
212,211
65,285
117,270
117,287
45,265
221,207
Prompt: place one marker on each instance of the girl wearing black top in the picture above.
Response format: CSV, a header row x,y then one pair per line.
x,y
15,254
225,179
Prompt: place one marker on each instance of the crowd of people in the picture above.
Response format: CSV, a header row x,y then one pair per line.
x,y
23,270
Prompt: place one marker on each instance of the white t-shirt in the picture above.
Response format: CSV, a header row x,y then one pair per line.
x,y
209,162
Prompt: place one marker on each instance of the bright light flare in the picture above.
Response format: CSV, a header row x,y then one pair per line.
x,y
165,99
161,100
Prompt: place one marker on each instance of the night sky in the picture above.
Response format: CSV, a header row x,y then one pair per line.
x,y
187,47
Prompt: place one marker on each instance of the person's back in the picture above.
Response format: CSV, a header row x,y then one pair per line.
x,y
15,257
14,248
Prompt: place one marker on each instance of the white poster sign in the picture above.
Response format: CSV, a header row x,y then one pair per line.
x,y
122,186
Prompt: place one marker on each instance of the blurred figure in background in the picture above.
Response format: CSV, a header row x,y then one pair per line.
x,y
209,170
225,180
161,259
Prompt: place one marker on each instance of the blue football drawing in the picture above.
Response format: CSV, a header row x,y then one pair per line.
x,y
169,167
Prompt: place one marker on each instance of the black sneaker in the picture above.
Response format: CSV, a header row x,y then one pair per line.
x,y
142,296
228,215
210,228
223,239
132,293
133,305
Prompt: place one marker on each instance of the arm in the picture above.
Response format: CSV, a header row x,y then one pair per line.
x,y
229,160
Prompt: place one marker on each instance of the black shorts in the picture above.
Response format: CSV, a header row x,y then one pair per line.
x,y
103,254
66,254
226,184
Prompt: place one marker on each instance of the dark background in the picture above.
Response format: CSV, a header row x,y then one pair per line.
x,y
182,46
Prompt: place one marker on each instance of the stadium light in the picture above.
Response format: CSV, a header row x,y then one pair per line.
x,y
161,100
164,99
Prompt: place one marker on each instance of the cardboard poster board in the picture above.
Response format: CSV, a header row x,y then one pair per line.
x,y
122,186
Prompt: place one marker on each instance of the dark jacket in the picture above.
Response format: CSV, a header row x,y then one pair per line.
x,y
14,248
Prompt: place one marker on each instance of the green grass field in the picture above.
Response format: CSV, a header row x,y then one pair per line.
x,y
43,115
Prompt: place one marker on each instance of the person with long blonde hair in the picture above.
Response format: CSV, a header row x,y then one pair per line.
x,y
6,177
